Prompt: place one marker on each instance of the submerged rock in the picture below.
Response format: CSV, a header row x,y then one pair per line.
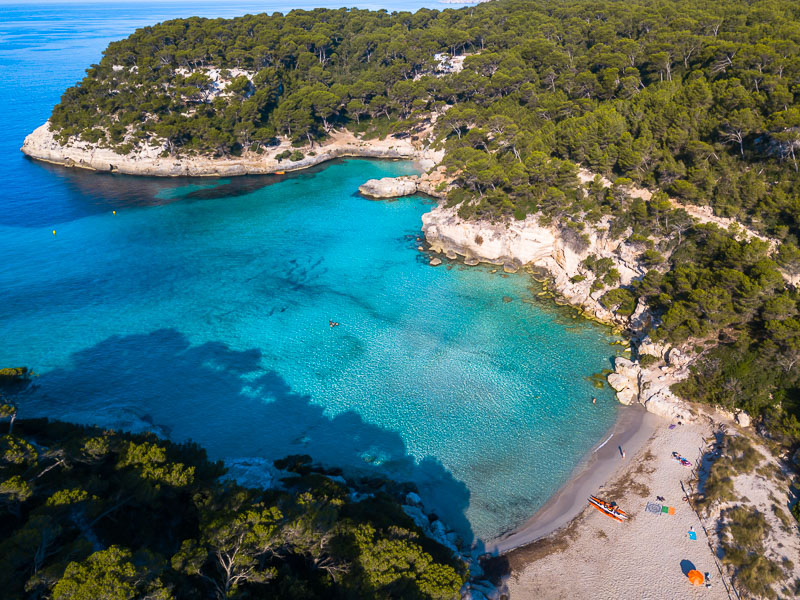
x,y
435,262
413,499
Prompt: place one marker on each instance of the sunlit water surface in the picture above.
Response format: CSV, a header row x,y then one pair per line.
x,y
200,310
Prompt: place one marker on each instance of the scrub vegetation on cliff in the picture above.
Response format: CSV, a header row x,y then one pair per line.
x,y
89,514
699,101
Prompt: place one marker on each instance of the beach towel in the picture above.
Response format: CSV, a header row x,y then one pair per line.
x,y
672,426
693,535
653,508
665,509
672,510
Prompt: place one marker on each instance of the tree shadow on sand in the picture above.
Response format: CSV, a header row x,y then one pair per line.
x,y
223,399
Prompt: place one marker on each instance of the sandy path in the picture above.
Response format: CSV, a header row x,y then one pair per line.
x,y
598,558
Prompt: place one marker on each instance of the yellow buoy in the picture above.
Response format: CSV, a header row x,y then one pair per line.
x,y
114,212
54,231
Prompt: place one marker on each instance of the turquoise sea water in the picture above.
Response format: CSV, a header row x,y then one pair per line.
x,y
200,310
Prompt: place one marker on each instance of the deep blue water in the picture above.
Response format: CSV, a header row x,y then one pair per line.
x,y
200,310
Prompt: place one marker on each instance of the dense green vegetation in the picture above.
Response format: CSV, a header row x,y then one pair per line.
x,y
698,100
670,93
91,514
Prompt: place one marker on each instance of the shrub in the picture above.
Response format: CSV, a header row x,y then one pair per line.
x,y
620,300
647,360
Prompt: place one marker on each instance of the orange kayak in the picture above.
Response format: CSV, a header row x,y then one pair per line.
x,y
608,509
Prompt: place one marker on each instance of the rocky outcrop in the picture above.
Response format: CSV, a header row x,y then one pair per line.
x,y
513,244
477,587
649,387
433,183
389,187
155,160
743,419
625,380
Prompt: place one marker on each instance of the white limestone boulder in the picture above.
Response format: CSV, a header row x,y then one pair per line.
x,y
389,187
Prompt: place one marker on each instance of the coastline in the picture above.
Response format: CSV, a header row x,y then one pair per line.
x,y
633,428
42,145
511,247
657,545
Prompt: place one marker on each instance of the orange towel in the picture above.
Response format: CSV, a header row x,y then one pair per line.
x,y
672,510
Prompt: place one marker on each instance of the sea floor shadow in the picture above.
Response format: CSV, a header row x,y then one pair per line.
x,y
223,399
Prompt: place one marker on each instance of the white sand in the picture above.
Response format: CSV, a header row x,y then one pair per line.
x,y
596,557
633,428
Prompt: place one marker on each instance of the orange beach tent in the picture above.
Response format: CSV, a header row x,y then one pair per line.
x,y
695,577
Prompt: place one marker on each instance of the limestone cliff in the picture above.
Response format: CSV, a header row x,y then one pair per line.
x,y
517,243
154,160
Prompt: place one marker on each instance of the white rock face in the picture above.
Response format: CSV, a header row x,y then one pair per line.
x,y
743,419
513,244
650,348
676,359
151,159
420,518
389,187
665,404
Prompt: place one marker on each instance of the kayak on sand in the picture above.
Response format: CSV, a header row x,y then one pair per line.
x,y
608,508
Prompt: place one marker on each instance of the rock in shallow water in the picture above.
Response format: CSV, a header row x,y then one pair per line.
x,y
388,187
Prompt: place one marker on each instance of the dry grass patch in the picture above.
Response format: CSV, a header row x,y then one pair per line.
x,y
742,539
738,456
552,544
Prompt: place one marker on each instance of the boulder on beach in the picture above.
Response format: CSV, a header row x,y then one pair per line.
x,y
388,187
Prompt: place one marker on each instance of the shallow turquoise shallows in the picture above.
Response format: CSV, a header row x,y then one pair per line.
x,y
201,311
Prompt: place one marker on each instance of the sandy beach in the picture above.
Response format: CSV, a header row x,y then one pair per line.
x,y
596,557
633,428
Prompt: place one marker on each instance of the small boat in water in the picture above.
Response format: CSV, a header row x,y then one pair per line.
x,y
609,509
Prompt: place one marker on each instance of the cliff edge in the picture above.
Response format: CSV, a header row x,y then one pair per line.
x,y
41,144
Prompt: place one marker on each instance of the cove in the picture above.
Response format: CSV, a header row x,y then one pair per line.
x,y
200,310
